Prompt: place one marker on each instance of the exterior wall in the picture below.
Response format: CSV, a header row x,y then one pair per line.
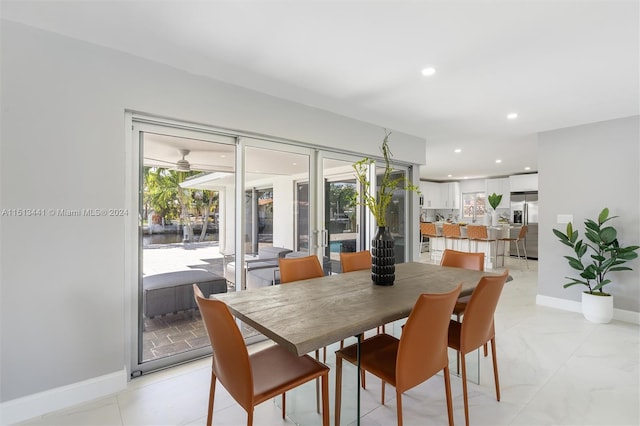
x,y
582,170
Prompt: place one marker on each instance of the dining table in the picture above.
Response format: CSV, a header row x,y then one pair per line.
x,y
307,315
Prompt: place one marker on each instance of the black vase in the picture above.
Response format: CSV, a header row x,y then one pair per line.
x,y
383,258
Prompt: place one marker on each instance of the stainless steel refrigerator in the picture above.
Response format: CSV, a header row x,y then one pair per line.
x,y
524,211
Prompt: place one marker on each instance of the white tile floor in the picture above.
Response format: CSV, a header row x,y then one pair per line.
x,y
555,369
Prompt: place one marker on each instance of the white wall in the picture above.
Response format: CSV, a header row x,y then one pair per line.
x,y
582,170
63,279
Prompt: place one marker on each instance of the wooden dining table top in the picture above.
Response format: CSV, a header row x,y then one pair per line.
x,y
307,315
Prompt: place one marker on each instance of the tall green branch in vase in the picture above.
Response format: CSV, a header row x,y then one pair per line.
x,y
377,202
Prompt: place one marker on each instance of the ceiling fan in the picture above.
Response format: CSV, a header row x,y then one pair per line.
x,y
183,165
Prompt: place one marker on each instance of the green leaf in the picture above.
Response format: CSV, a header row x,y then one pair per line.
x,y
603,215
608,235
575,263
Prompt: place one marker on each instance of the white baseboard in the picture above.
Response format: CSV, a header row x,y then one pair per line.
x,y
574,306
38,404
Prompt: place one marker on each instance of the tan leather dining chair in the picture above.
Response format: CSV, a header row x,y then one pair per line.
x,y
301,268
451,231
420,353
477,328
461,259
520,238
253,379
355,261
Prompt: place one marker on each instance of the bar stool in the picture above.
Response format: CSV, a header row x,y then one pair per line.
x,y
452,232
430,231
521,237
479,233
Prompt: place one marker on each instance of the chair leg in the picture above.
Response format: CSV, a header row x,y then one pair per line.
x,y
325,399
338,388
495,367
526,260
382,393
212,393
250,417
447,389
399,407
464,391
284,404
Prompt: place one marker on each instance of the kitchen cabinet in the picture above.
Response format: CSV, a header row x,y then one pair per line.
x,y
440,195
499,186
431,193
520,183
450,195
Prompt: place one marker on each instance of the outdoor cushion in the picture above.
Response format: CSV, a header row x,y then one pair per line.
x,y
171,292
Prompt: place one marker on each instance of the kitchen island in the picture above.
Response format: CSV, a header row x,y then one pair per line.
x,y
490,249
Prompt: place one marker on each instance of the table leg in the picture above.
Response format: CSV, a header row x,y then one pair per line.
x,y
359,337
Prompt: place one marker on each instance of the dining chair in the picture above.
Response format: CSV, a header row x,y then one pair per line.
x,y
299,268
521,237
419,354
477,328
302,268
355,261
461,259
253,379
429,230
451,231
479,233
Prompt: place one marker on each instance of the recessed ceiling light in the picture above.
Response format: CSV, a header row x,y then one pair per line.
x,y
498,161
428,71
512,116
294,164
527,168
457,150
449,175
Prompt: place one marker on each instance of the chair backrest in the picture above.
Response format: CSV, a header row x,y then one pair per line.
x,y
523,232
450,230
299,268
477,324
355,261
422,351
428,228
461,259
477,232
230,356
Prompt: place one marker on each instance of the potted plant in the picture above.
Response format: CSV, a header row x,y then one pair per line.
x,y
378,201
494,202
606,256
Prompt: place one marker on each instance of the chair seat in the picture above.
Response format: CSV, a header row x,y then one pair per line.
x,y
377,356
276,369
460,306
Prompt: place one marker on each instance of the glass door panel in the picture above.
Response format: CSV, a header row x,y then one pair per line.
x,y
342,215
397,214
186,219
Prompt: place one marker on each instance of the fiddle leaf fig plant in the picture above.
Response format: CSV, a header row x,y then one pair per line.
x,y
379,201
494,200
606,254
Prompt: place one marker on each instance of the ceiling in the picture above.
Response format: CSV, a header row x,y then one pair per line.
x,y
554,63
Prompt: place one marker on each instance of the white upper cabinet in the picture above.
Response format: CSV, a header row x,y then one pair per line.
x,y
527,182
431,193
450,195
499,186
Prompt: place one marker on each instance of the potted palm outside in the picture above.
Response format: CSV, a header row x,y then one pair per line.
x,y
606,256
378,201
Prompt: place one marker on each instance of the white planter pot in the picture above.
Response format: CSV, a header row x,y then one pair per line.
x,y
598,309
494,218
